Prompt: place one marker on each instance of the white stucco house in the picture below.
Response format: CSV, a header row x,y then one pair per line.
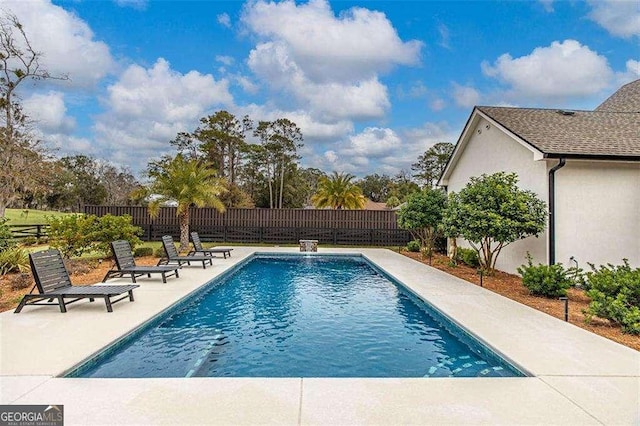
x,y
584,164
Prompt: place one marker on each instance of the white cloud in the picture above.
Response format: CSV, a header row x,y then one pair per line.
x,y
547,5
224,19
359,43
226,60
134,4
380,150
560,70
148,107
443,30
631,73
437,104
620,17
66,41
324,63
373,142
365,99
49,113
465,96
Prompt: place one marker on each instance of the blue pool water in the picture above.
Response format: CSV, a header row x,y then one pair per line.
x,y
297,316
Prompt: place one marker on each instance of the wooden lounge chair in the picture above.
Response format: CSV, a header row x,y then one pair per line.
x,y
198,249
172,255
126,265
53,282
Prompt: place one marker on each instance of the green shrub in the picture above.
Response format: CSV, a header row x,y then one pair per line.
x,y
14,259
29,241
75,235
615,295
544,280
413,246
6,239
111,228
468,257
159,252
143,251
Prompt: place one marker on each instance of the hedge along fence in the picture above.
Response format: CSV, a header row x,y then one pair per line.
x,y
284,226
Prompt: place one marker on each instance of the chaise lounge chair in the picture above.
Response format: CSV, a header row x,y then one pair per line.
x,y
126,265
197,247
172,255
53,282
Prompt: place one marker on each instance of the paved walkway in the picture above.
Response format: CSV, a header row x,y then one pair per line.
x,y
577,377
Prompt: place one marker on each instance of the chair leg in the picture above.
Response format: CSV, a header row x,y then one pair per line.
x,y
21,305
63,307
131,295
177,276
164,278
107,301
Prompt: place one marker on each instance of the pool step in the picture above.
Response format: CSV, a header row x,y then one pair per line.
x,y
212,349
464,366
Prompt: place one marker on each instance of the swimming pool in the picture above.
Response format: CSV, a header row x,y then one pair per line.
x,y
299,316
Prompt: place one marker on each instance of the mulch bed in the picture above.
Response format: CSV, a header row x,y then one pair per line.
x,y
510,286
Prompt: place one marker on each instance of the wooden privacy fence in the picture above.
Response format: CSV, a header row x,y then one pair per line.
x,y
283,226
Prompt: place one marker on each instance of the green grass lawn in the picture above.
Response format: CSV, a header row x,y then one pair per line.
x,y
30,217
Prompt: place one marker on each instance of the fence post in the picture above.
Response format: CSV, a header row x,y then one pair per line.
x,y
38,231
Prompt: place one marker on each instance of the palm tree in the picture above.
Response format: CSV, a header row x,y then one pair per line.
x,y
187,182
338,192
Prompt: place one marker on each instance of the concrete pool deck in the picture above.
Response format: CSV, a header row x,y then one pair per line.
x,y
577,377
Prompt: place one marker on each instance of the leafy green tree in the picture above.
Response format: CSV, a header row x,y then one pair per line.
x,y
431,164
393,202
79,182
338,192
491,212
402,185
187,182
421,215
376,187
220,140
21,155
119,183
303,184
279,141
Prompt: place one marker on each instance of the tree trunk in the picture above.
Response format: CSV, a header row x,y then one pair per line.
x,y
184,230
281,182
3,209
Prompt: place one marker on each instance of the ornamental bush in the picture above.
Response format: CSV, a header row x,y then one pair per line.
x,y
14,259
111,228
75,235
413,246
6,239
615,295
143,251
468,257
545,280
72,234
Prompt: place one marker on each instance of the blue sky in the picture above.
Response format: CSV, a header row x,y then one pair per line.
x,y
372,84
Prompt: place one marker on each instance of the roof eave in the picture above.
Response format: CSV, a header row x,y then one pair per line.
x,y
600,157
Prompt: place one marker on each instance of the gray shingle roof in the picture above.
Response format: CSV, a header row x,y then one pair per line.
x,y
602,133
626,99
